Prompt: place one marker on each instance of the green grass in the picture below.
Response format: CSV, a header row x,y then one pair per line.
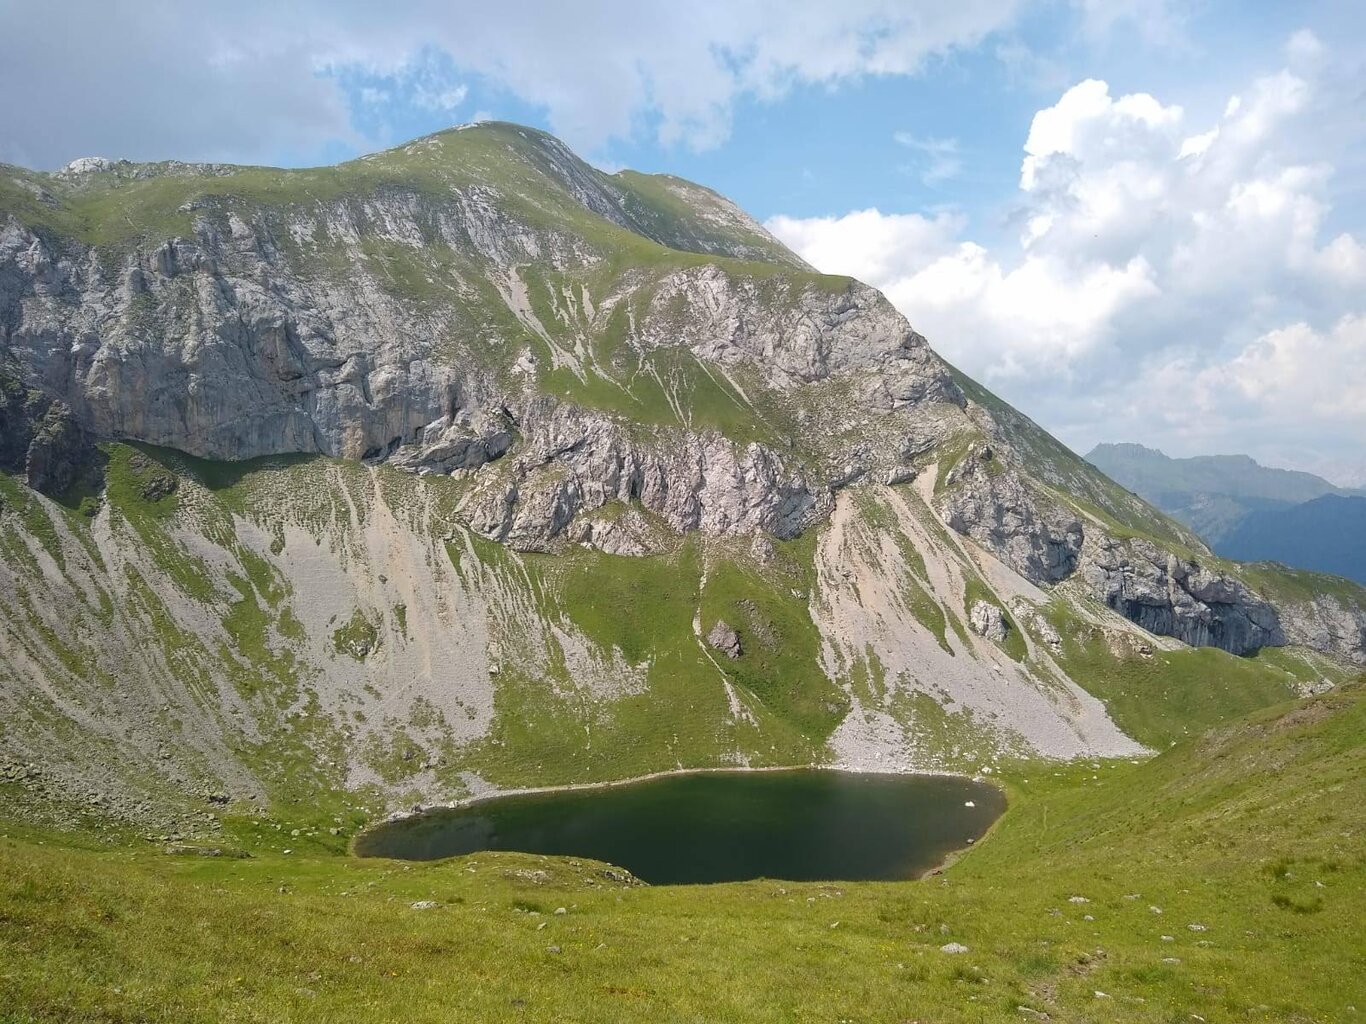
x,y
976,590
128,475
780,645
1232,830
638,605
1163,696
548,728
664,214
1282,584
357,637
33,516
1254,832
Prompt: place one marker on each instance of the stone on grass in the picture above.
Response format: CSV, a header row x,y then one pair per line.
x,y
989,621
725,639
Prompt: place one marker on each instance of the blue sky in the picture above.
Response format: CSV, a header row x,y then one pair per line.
x,y
1135,219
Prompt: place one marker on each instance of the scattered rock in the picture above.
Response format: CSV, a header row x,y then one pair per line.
x,y
761,549
158,486
953,947
424,905
1045,632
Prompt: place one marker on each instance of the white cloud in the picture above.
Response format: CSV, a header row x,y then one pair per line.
x,y
1171,282
1161,22
1297,392
156,80
938,158
1030,321
253,78
868,244
1304,48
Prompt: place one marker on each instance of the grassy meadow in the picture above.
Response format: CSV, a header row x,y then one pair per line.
x,y
1224,880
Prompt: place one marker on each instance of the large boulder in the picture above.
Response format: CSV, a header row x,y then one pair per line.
x,y
725,639
989,621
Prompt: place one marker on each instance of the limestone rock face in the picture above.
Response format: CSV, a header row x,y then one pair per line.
x,y
989,621
41,439
1326,622
1173,597
1047,542
220,345
1040,541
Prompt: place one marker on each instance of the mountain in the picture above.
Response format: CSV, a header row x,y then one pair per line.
x,y
1212,494
1325,535
466,466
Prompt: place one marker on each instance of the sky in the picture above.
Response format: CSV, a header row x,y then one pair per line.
x,y
1136,220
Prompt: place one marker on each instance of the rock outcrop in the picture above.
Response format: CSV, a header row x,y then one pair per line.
x,y
222,346
1047,542
1326,622
41,440
1039,540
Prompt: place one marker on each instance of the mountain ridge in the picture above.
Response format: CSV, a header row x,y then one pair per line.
x,y
404,479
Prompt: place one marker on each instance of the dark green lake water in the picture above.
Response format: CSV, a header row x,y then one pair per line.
x,y
801,825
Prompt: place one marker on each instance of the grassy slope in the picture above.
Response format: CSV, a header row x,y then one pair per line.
x,y
547,728
1160,696
1234,831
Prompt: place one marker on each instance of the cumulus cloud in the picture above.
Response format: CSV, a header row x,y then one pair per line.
x,y
1167,278
252,79
868,244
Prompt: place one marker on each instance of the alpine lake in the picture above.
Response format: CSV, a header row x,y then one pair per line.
x,y
795,825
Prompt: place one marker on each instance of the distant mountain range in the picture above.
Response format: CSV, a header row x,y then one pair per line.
x,y
1248,511
1327,534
